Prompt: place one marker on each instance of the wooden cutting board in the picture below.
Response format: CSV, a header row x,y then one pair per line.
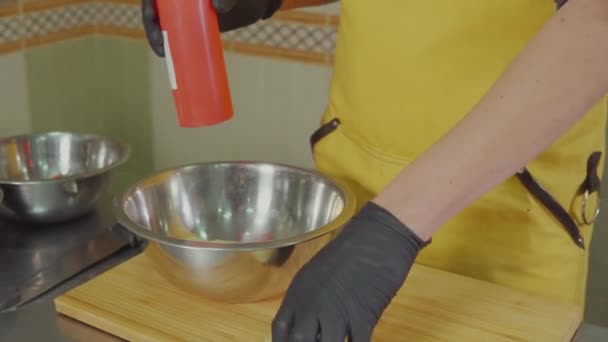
x,y
135,303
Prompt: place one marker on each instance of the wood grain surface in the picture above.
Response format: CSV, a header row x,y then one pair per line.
x,y
134,302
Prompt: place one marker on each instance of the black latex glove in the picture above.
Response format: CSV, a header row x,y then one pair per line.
x,y
345,288
232,14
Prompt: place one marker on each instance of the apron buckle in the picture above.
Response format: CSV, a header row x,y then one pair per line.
x,y
596,213
591,184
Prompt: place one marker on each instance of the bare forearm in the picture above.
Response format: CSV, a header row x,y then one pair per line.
x,y
550,86
291,4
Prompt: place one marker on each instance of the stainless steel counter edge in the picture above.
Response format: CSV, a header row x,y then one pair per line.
x,y
38,321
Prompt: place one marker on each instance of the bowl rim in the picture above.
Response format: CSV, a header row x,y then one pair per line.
x,y
126,148
343,217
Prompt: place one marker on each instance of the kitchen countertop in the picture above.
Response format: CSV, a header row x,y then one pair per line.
x,y
37,321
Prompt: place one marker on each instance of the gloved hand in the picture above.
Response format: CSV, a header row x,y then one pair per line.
x,y
344,289
232,14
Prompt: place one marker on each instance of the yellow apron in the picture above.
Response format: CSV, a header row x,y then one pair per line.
x,y
406,71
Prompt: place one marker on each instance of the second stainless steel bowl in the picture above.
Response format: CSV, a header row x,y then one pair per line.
x,y
56,176
234,231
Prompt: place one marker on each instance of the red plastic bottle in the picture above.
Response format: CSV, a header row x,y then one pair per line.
x,y
195,61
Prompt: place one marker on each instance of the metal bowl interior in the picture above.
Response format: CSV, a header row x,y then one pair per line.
x,y
57,156
234,206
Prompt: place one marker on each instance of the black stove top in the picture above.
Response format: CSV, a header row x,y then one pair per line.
x,y
36,258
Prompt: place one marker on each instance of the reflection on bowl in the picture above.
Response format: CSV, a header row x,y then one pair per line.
x,y
234,231
56,176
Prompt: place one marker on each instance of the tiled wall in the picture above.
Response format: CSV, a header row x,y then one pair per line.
x,y
66,74
94,84
14,104
277,105
83,65
10,36
301,35
279,72
30,23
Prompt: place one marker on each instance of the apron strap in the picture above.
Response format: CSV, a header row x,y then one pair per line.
x,y
323,131
592,182
590,185
552,205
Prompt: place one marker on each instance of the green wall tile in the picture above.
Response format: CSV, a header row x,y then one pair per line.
x,y
14,104
62,87
123,82
97,85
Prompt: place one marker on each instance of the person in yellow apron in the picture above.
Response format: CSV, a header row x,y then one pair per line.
x,y
477,123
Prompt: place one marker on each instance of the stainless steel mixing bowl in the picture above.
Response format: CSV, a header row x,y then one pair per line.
x,y
234,231
55,176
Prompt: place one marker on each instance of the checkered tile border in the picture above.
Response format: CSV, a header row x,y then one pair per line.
x,y
286,35
118,15
10,30
58,20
